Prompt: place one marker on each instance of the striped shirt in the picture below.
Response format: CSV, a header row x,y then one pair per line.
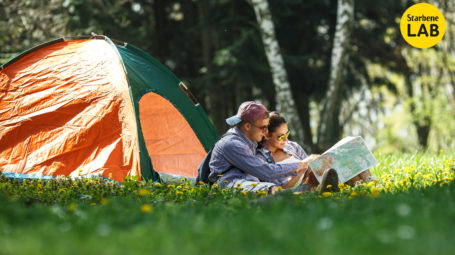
x,y
236,157
290,148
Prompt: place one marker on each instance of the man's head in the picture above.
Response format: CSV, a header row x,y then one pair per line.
x,y
252,118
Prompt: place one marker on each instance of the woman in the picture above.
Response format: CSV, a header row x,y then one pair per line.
x,y
277,145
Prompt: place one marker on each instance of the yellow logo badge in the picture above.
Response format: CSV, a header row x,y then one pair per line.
x,y
422,25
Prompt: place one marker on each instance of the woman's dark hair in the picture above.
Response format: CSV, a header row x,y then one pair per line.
x,y
276,120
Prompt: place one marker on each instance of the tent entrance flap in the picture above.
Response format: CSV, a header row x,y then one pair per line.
x,y
171,142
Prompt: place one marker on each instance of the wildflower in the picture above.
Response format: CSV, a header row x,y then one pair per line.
x,y
146,208
254,184
354,194
223,190
183,179
214,186
157,184
280,188
171,186
142,192
93,204
104,201
327,193
220,175
245,192
375,192
72,207
179,193
225,181
179,187
201,182
329,186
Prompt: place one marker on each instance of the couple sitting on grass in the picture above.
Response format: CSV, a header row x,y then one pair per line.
x,y
256,155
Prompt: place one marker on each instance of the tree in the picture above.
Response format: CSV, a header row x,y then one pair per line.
x,y
280,79
329,127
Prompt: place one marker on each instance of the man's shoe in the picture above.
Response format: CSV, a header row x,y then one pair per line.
x,y
329,182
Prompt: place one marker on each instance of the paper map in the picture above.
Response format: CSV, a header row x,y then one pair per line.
x,y
349,157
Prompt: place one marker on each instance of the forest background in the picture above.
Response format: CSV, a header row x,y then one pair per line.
x,y
345,66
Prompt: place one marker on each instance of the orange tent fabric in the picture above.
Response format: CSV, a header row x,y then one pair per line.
x,y
65,109
171,142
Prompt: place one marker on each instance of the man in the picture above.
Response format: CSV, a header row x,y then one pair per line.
x,y
234,162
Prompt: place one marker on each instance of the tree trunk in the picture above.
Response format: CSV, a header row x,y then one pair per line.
x,y
304,113
215,106
285,101
161,40
329,131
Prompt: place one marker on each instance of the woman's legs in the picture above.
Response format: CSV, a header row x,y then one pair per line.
x,y
364,176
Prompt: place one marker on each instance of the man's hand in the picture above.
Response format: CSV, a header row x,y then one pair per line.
x,y
304,163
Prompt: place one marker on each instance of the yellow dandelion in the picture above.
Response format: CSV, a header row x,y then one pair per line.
x,y
327,194
179,193
104,201
261,192
375,192
142,192
157,184
72,207
280,188
329,186
254,184
220,175
171,186
245,193
93,204
146,208
214,186
354,194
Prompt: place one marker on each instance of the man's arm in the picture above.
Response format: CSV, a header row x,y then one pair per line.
x,y
240,156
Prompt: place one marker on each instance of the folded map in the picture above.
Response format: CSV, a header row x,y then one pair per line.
x,y
349,157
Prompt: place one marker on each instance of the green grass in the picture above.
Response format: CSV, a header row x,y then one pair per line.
x,y
410,210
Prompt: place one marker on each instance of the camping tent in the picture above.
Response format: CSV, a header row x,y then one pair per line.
x,y
88,106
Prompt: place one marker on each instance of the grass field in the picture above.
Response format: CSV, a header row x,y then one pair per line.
x,y
409,210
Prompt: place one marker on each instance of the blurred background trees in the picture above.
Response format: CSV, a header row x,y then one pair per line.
x,y
395,96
